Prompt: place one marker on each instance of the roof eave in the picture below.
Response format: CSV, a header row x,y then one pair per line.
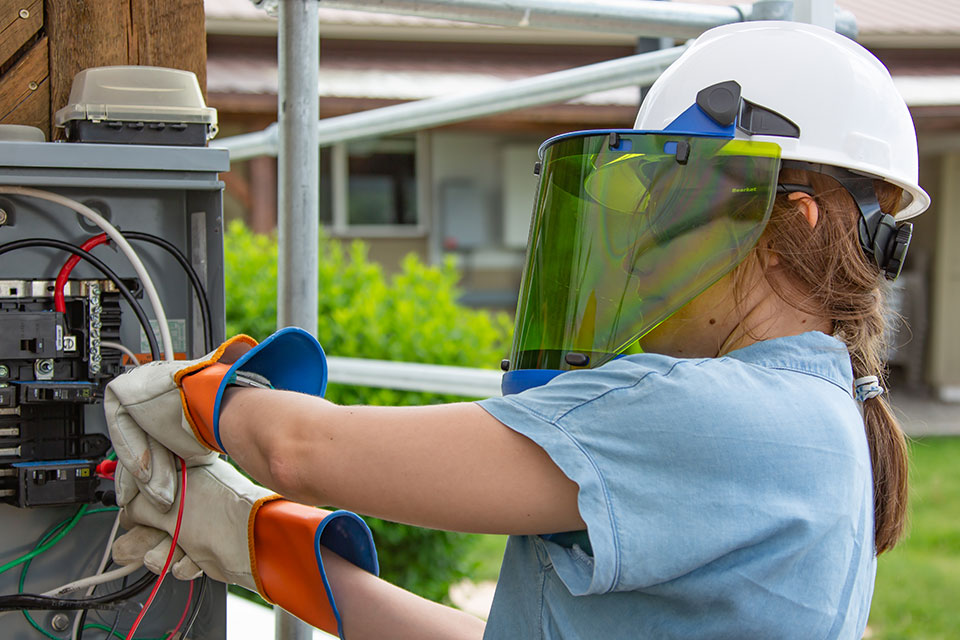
x,y
473,34
910,40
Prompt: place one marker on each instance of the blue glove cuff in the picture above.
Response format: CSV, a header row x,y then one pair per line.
x,y
347,535
291,359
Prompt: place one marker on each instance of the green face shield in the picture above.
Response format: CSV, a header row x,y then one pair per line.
x,y
628,227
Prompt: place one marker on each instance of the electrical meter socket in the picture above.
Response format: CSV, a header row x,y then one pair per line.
x,y
137,105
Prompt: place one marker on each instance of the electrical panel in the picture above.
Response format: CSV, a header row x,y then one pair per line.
x,y
63,339
51,365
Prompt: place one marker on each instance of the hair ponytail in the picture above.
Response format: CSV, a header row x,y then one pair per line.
x,y
829,275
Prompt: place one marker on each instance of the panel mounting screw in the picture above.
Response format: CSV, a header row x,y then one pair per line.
x,y
24,13
60,622
33,86
4,371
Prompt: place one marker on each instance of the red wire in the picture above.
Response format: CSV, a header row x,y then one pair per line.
x,y
173,548
186,610
59,304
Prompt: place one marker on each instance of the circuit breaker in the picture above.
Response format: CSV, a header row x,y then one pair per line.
x,y
62,339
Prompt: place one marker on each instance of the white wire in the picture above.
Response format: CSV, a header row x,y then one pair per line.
x,y
122,349
99,577
92,581
121,243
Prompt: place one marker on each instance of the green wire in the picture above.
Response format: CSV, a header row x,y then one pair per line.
x,y
102,627
69,524
119,636
64,527
43,547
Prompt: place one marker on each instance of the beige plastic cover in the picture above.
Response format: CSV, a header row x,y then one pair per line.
x,y
133,93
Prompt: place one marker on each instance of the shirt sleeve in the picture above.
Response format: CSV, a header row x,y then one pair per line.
x,y
679,465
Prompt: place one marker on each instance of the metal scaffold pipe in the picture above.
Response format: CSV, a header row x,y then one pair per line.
x,y
298,52
635,17
550,88
298,165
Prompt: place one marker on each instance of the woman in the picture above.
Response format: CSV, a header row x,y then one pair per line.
x,y
722,483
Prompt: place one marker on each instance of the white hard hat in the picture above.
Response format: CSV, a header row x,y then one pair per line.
x,y
820,96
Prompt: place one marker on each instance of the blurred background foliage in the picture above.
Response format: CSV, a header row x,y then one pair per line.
x,y
410,316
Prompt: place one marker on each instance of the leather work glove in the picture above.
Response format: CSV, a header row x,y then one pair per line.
x,y
240,533
164,409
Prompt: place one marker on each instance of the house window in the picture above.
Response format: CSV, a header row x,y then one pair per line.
x,y
372,187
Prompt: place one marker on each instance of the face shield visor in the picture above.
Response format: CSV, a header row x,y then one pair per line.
x,y
627,228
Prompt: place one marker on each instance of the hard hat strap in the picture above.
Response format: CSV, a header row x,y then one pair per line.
x,y
881,238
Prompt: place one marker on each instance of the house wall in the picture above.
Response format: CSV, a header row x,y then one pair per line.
x,y
944,354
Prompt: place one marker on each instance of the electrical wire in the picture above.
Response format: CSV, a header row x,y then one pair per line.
x,y
196,607
127,351
35,601
59,304
92,581
192,275
116,619
104,559
70,523
100,266
27,557
122,245
173,548
185,613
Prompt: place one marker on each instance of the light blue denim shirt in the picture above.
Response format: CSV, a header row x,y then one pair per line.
x,y
724,498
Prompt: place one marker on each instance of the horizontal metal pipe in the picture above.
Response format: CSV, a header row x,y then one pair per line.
x,y
250,145
635,17
410,376
549,88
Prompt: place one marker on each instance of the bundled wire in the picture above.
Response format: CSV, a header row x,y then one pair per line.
x,y
102,268
38,602
148,287
170,248
192,275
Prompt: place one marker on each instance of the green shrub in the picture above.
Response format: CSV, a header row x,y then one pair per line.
x,y
411,316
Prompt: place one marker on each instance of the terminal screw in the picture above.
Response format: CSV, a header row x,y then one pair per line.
x,y
24,13
3,217
43,369
60,622
4,371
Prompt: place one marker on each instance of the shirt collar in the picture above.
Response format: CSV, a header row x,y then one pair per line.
x,y
813,353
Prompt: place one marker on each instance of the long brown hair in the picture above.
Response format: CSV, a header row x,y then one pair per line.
x,y
829,275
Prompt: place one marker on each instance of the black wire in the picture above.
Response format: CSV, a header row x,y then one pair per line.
x,y
100,266
196,610
191,274
113,627
83,621
107,601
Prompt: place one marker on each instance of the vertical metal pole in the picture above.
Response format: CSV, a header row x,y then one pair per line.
x,y
298,221
818,12
299,163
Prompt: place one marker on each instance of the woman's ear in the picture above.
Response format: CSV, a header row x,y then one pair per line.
x,y
807,206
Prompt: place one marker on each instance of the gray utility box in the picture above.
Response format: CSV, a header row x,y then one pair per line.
x,y
50,441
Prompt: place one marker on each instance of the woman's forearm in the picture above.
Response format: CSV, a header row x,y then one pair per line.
x,y
373,609
451,466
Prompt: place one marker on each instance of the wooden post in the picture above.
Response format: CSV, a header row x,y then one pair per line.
x,y
44,43
24,85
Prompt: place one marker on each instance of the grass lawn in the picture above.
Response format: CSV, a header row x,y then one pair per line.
x,y
917,596
918,584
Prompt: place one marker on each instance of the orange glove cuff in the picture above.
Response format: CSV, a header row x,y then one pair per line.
x,y
199,384
285,542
